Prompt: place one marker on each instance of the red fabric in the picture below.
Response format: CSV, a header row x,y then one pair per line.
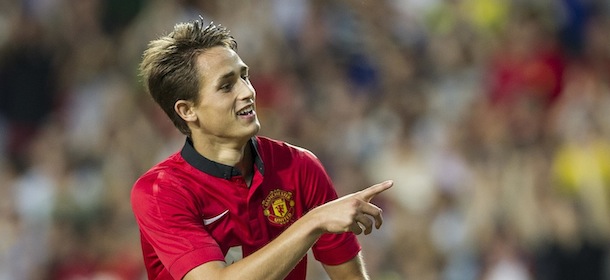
x,y
540,76
171,200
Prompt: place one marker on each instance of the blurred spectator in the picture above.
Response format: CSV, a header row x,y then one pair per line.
x,y
28,85
491,117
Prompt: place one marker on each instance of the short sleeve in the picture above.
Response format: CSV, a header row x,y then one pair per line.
x,y
169,222
330,249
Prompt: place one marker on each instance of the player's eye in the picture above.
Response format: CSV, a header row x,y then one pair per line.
x,y
226,87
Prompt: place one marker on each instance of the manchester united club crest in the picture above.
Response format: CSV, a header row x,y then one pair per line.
x,y
278,207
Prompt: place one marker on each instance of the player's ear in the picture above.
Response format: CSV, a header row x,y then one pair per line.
x,y
185,109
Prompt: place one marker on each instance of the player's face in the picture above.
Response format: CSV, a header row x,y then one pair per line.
x,y
226,107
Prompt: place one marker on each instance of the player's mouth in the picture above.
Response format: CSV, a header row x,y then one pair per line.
x,y
247,111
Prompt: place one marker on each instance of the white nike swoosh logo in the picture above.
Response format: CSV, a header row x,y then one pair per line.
x,y
214,219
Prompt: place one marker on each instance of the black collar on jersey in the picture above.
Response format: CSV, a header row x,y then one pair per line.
x,y
218,169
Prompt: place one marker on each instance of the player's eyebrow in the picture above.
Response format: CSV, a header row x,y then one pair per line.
x,y
244,69
227,75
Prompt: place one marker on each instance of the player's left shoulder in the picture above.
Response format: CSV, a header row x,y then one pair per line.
x,y
283,147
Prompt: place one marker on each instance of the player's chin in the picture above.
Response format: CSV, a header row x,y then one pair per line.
x,y
256,127
250,130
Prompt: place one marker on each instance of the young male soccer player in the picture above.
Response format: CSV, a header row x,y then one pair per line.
x,y
230,204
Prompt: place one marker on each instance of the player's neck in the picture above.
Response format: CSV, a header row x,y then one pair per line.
x,y
232,153
246,165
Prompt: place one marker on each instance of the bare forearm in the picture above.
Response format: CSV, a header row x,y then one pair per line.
x,y
352,212
282,254
273,261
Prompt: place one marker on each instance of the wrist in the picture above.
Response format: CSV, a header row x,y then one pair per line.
x,y
313,223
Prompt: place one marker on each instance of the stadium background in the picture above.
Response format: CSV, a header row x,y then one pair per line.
x,y
491,116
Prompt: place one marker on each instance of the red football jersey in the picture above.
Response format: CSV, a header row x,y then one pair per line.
x,y
192,210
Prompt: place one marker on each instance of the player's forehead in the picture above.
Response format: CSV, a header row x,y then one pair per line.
x,y
215,62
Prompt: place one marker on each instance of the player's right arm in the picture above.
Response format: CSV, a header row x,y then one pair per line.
x,y
353,212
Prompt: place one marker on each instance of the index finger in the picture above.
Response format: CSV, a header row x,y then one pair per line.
x,y
370,192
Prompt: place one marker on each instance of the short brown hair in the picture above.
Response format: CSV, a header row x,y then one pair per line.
x,y
168,67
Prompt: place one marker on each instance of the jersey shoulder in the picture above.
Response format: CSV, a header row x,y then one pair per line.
x,y
167,171
277,147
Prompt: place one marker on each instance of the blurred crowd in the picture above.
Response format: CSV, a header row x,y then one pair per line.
x,y
491,116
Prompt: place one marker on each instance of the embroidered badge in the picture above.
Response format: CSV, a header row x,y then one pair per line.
x,y
278,207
